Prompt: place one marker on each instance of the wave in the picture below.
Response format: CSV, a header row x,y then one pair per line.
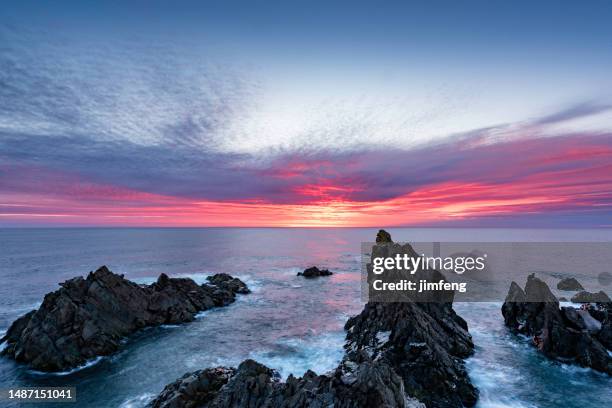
x,y
3,345
488,402
87,364
137,401
295,356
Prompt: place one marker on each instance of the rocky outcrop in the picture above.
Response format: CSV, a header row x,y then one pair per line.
x,y
569,284
588,297
255,385
564,333
223,281
88,317
383,237
424,343
314,272
406,354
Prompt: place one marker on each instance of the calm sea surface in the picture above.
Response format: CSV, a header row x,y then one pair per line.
x,y
289,323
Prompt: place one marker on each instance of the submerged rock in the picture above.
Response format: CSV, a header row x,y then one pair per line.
x,y
89,317
396,355
569,284
314,272
563,333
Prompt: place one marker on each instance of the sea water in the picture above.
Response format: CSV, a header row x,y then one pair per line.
x,y
289,323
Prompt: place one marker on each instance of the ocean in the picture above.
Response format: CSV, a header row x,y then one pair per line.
x,y
288,323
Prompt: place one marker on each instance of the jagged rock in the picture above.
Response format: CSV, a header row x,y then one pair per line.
x,y
588,297
89,317
253,385
383,237
194,389
228,282
423,342
569,284
314,272
605,335
567,333
396,355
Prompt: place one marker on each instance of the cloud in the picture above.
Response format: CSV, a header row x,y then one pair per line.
x,y
142,132
577,111
117,90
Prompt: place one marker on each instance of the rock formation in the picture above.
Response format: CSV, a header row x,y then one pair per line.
x,y
568,334
314,272
588,297
569,284
255,385
383,237
396,355
89,317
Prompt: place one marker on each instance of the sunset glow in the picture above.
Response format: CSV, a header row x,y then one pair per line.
x,y
564,175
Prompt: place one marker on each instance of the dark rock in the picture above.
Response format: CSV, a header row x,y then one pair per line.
x,y
253,385
396,355
569,284
605,334
588,297
566,333
194,389
383,237
314,272
229,282
424,343
89,317
563,299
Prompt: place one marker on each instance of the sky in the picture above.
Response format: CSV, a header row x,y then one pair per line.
x,y
270,113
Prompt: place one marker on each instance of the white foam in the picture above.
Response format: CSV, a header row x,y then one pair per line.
x,y
201,314
88,364
3,345
320,354
485,401
253,284
138,401
169,326
383,337
199,278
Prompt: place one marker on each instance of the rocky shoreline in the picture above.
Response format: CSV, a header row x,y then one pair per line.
x,y
406,354
568,334
88,317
